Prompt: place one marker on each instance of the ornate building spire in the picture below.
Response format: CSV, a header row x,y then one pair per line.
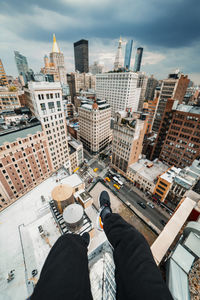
x,y
55,45
119,59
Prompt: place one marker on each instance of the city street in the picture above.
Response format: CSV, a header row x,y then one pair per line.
x,y
126,194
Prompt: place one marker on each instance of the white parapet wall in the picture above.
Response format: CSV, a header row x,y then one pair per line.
x,y
171,230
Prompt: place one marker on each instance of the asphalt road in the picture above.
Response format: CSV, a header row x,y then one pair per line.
x,y
151,213
126,194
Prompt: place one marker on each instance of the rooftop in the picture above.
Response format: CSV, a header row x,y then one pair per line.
x,y
189,109
170,174
74,143
148,169
20,222
21,131
44,85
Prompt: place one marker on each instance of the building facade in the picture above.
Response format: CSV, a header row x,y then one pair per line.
x,y
164,184
138,60
9,100
150,89
94,125
142,85
81,56
24,161
164,126
174,87
45,101
50,70
181,145
144,174
119,89
96,68
57,59
152,107
3,78
80,82
128,135
128,52
75,153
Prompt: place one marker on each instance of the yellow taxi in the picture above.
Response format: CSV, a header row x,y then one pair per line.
x,y
96,169
116,186
107,179
76,169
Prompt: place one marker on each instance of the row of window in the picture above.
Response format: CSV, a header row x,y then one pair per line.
x,y
48,96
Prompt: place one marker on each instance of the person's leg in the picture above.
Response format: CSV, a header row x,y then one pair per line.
x,y
65,272
137,275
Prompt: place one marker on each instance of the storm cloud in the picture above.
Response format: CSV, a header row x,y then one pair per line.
x,y
167,29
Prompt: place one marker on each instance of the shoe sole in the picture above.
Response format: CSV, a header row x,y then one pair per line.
x,y
99,222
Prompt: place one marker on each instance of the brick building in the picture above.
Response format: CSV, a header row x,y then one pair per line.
x,y
152,106
163,128
24,161
173,87
181,145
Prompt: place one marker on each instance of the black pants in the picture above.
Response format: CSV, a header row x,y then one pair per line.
x,y
65,273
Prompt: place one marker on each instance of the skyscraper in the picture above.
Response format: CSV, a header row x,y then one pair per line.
x,y
94,122
57,58
119,59
182,137
128,52
142,84
128,135
151,86
45,101
138,59
22,65
119,89
3,79
173,87
81,56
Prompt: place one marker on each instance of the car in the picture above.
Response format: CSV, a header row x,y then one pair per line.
x,y
150,204
141,204
96,169
162,222
116,186
76,170
107,179
34,272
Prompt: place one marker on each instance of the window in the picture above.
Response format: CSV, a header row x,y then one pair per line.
x,y
51,105
163,183
42,106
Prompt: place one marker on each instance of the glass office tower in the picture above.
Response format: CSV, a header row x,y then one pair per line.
x,y
128,52
138,59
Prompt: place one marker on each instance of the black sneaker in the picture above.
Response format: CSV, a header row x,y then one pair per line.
x,y
86,238
104,204
104,200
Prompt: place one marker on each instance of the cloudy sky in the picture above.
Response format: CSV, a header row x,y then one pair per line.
x,y
168,30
